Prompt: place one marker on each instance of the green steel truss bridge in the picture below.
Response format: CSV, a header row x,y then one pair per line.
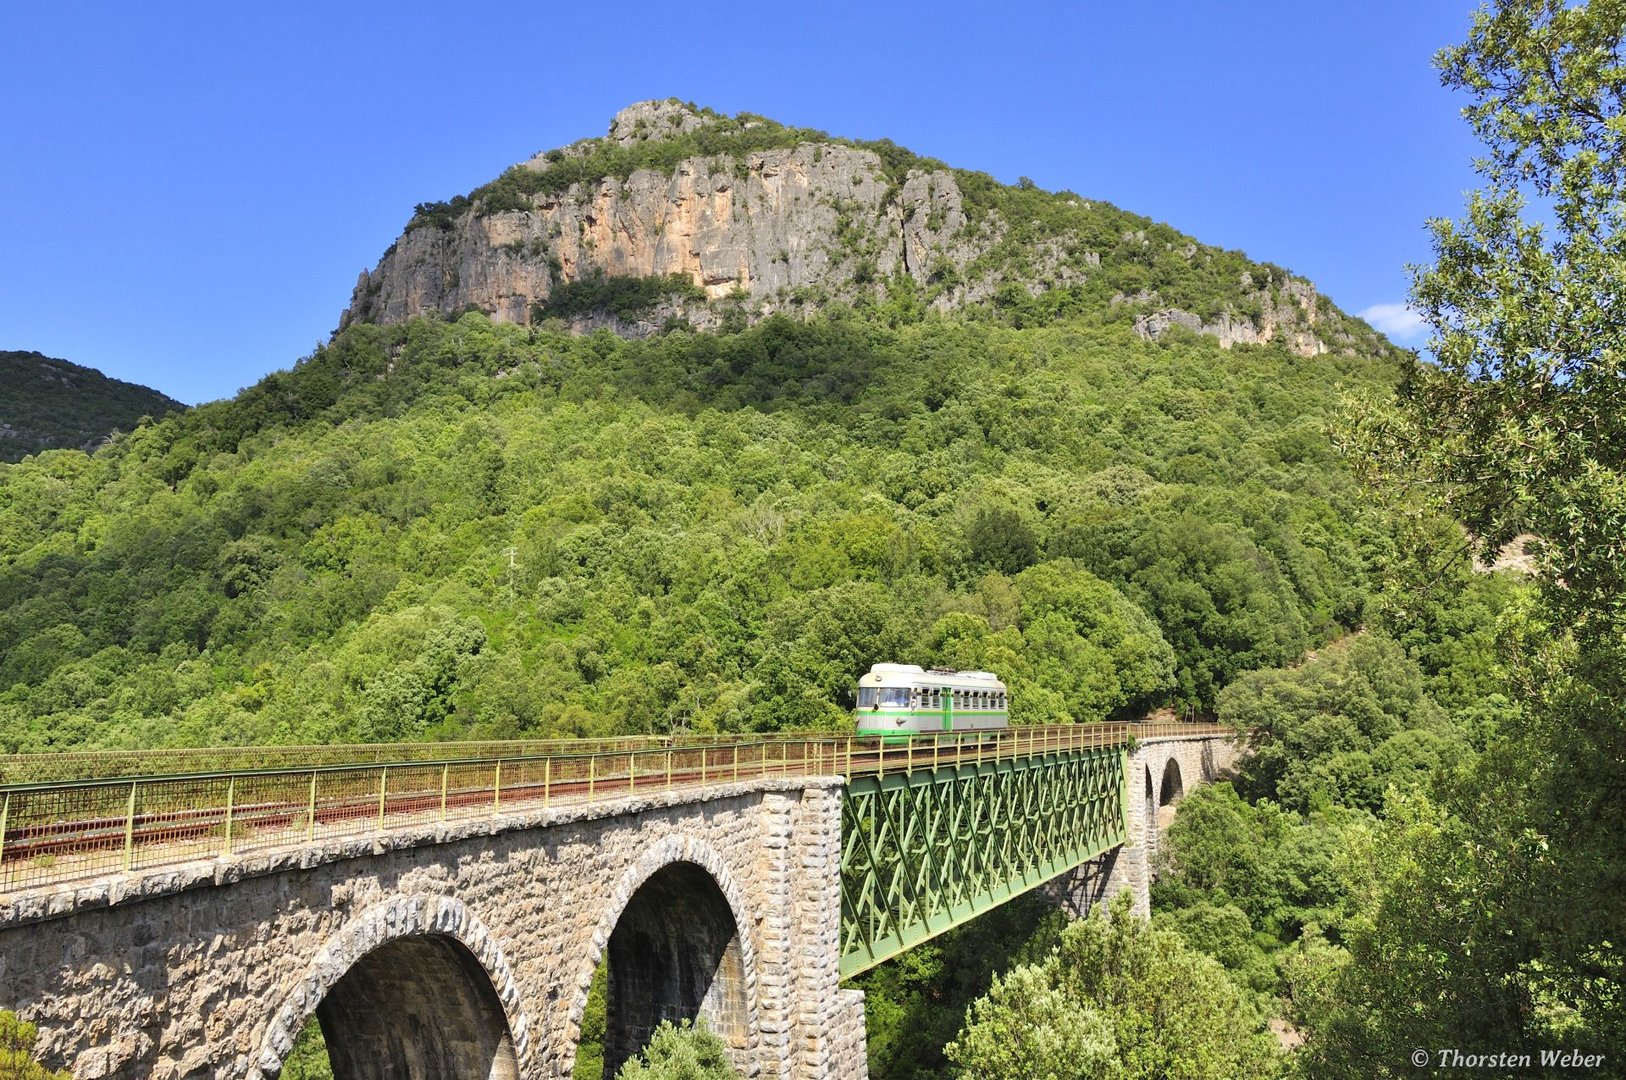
x,y
925,850
934,831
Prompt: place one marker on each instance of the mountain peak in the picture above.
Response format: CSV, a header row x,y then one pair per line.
x,y
684,216
645,120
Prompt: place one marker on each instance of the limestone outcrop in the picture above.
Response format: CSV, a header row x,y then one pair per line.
x,y
1291,313
759,219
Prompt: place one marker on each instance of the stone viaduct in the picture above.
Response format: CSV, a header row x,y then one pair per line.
x,y
467,949
1161,771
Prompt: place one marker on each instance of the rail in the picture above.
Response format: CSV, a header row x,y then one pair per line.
x,y
54,831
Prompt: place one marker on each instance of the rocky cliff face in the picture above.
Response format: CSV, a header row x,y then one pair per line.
x,y
761,218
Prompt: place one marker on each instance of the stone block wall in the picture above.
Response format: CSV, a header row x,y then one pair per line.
x,y
212,970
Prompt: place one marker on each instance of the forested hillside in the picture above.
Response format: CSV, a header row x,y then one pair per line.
x,y
449,529
47,403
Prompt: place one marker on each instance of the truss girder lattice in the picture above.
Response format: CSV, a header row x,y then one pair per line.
x,y
927,850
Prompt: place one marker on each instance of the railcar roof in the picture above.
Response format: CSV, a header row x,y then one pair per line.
x,y
915,675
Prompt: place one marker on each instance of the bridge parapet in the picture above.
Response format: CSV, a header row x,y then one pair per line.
x,y
444,940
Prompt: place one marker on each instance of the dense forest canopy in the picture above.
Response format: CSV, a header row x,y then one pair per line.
x,y
465,528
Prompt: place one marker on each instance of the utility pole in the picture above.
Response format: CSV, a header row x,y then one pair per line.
x,y
511,552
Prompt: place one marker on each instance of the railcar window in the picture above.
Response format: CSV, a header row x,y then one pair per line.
x,y
870,697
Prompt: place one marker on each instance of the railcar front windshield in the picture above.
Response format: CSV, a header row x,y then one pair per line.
x,y
873,697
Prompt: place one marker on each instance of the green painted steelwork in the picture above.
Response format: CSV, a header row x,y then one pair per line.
x,y
927,850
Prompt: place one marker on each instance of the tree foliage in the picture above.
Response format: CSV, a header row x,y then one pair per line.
x,y
1277,874
914,1004
1341,729
1118,998
1520,424
17,1051
1494,913
308,1059
681,1051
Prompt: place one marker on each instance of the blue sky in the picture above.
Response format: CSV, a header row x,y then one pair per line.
x,y
188,191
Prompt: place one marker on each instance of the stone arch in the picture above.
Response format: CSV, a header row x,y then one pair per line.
x,y
1172,788
405,960
677,866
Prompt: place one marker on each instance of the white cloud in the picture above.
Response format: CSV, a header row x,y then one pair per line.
x,y
1396,320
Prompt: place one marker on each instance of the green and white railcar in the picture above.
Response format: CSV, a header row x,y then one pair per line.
x,y
902,700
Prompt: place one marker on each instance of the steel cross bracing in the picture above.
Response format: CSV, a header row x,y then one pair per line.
x,y
926,850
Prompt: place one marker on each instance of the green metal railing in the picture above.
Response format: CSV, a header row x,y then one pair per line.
x,y
61,830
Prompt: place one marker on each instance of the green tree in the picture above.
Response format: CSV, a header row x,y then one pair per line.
x,y
308,1059
1275,867
1091,644
1508,920
681,1051
1118,998
590,1047
915,1003
1339,729
999,539
17,1051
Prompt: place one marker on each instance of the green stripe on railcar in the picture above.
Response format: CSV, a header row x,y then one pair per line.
x,y
942,721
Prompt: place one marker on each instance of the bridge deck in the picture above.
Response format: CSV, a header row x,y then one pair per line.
x,y
55,830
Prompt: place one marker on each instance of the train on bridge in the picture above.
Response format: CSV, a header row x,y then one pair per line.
x,y
901,701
